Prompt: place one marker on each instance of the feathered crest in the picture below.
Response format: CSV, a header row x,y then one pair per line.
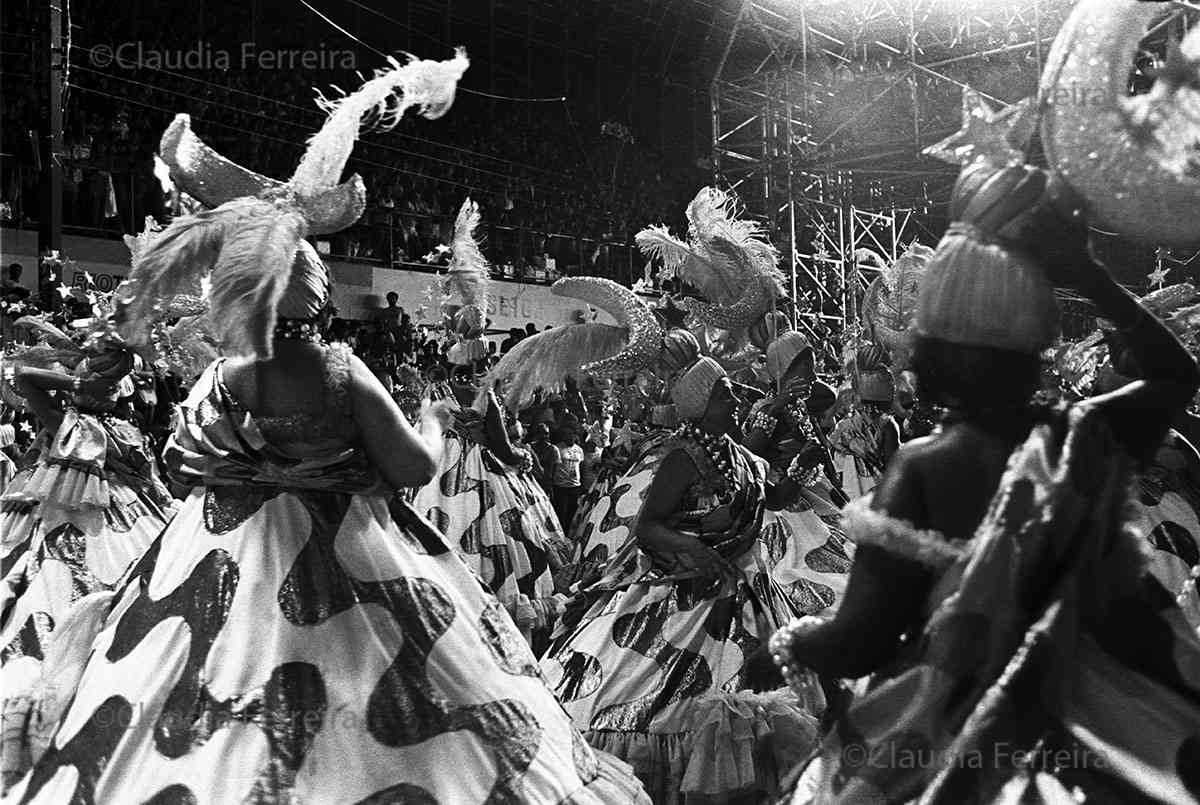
x,y
712,215
137,244
717,276
247,245
468,274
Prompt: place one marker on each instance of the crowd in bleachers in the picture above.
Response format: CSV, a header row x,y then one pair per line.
x,y
550,187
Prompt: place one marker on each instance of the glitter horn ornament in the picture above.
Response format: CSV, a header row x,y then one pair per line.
x,y
592,348
1134,160
213,180
645,334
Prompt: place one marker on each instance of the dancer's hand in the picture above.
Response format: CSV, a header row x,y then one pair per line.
x,y
705,560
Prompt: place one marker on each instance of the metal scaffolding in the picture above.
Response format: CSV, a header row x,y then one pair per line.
x,y
788,138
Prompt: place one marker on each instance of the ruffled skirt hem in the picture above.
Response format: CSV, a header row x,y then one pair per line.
x,y
614,784
69,485
738,751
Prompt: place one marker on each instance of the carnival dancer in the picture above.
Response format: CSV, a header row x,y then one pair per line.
x,y
476,498
605,518
809,552
479,500
537,501
299,633
868,436
651,660
70,526
1012,623
543,362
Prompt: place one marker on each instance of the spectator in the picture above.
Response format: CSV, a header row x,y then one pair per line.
x,y
388,318
566,474
546,454
590,467
514,337
10,288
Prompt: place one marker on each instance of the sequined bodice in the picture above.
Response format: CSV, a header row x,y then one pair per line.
x,y
334,423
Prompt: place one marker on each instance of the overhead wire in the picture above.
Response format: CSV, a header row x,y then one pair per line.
x,y
307,110
549,188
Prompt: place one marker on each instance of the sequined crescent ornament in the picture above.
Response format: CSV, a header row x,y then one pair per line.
x,y
1000,137
1135,161
645,334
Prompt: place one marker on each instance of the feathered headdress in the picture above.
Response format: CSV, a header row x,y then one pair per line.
x,y
467,280
728,260
248,243
91,340
591,348
890,304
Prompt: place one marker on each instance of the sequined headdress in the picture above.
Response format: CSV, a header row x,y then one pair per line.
x,y
90,346
246,246
890,304
692,388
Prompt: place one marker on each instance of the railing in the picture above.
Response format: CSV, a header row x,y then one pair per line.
x,y
109,204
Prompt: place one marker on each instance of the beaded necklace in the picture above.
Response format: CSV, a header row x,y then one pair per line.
x,y
714,446
298,330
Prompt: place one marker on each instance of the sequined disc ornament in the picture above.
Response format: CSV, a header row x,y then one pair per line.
x,y
1135,160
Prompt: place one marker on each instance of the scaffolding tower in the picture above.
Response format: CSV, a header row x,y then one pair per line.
x,y
788,138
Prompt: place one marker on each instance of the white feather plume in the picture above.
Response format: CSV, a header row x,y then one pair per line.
x,y
712,275
249,278
174,262
428,85
468,274
545,360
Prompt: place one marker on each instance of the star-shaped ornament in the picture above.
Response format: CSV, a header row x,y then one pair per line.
x,y
1158,276
63,291
26,428
1000,137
